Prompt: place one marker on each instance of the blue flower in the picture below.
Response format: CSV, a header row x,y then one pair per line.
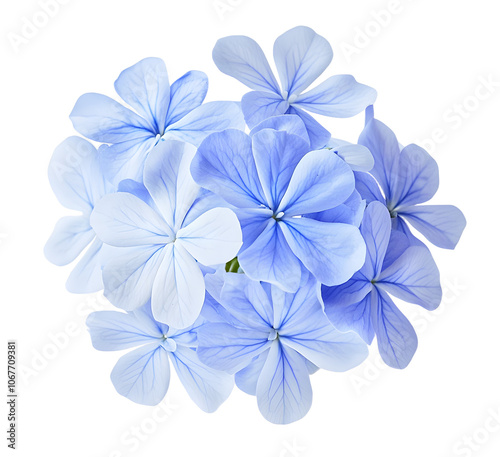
x,y
143,375
296,207
161,244
273,340
301,56
78,183
357,156
163,111
392,266
408,176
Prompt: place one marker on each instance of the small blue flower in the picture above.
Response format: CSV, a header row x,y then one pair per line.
x,y
78,183
408,176
163,111
296,207
162,237
301,56
143,375
273,341
392,266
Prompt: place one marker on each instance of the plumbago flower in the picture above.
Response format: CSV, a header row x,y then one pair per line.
x,y
143,375
407,176
161,246
301,56
273,340
163,111
76,178
286,199
392,266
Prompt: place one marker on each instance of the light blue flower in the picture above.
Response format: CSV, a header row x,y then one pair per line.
x,y
407,176
143,375
301,56
357,156
78,183
162,111
393,266
273,340
290,203
160,247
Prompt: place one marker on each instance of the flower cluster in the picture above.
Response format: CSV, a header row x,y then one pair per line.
x,y
241,242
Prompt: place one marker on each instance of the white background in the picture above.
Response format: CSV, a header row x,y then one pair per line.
x,y
425,63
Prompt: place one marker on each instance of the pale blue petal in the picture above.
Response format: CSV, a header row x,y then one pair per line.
x,y
289,123
376,231
384,146
357,156
178,289
207,387
224,164
259,106
399,242
253,222
143,375
396,338
86,277
114,331
332,252
129,274
270,259
100,118
186,94
368,188
243,59
230,349
75,175
442,225
122,219
418,177
213,238
350,212
413,277
70,237
246,379
138,189
247,301
168,179
284,392
301,55
355,316
352,291
208,118
318,135
320,181
145,87
205,201
338,96
276,155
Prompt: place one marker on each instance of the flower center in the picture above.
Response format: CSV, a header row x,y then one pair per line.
x,y
278,216
273,335
169,344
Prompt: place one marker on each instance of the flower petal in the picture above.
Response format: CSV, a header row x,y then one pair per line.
x,y
178,289
100,118
186,94
243,59
70,237
396,338
224,164
122,219
230,349
86,277
331,252
247,379
301,55
205,119
114,331
289,123
168,179
253,222
143,375
284,392
442,225
368,187
357,156
277,154
270,259
258,106
213,238
413,277
207,387
318,135
320,181
145,87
